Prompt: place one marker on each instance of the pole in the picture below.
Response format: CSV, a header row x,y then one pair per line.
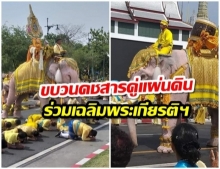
x,y
92,67
50,26
47,27
103,67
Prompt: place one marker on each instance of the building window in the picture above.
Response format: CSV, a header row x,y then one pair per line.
x,y
112,26
175,33
185,35
148,29
126,28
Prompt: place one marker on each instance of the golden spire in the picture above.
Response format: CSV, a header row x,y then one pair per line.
x,y
202,10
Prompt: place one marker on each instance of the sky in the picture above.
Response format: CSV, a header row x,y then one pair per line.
x,y
188,7
90,14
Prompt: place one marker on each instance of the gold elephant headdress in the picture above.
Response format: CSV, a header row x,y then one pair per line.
x,y
204,33
33,28
35,32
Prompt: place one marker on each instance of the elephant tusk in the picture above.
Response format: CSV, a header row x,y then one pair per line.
x,y
58,76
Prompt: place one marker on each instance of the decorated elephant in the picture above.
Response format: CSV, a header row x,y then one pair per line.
x,y
198,61
5,90
22,82
42,66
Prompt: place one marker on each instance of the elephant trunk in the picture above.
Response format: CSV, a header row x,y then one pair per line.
x,y
132,130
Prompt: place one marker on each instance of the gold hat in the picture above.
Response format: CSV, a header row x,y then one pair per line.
x,y
164,22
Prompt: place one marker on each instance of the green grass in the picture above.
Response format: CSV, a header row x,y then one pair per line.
x,y
101,160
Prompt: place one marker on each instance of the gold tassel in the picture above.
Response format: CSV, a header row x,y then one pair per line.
x,y
166,99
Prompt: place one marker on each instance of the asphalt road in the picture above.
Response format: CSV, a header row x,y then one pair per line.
x,y
47,140
72,153
145,155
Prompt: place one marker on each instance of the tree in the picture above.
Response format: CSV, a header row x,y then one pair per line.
x,y
99,49
15,43
71,34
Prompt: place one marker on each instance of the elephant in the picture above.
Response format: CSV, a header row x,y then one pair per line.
x,y
5,89
56,70
177,63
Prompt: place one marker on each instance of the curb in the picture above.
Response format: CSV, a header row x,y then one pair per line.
x,y
91,156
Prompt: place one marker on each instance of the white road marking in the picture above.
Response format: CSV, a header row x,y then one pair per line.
x,y
149,134
155,165
98,151
83,161
48,150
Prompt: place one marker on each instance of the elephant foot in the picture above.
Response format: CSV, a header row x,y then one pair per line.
x,y
17,114
17,111
24,107
97,122
38,103
36,97
91,121
165,145
160,149
5,110
105,98
213,142
4,114
163,149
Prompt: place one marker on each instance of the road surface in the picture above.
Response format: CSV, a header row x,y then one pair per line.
x,y
50,151
145,155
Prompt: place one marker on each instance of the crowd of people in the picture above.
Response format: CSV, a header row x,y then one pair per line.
x,y
14,133
184,143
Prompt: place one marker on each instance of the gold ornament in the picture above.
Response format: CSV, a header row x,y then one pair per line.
x,y
33,28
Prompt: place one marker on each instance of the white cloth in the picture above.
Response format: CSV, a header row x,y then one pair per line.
x,y
64,134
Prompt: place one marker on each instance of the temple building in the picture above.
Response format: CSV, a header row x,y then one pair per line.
x,y
193,18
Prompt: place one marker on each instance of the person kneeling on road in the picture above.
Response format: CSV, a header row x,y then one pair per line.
x,y
10,123
4,145
13,139
77,129
46,124
32,133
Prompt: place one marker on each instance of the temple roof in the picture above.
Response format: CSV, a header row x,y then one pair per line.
x,y
119,5
152,11
121,16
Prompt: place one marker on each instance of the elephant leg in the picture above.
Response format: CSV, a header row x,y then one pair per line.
x,y
36,96
165,139
10,99
43,102
91,121
105,98
17,107
132,130
168,125
213,142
